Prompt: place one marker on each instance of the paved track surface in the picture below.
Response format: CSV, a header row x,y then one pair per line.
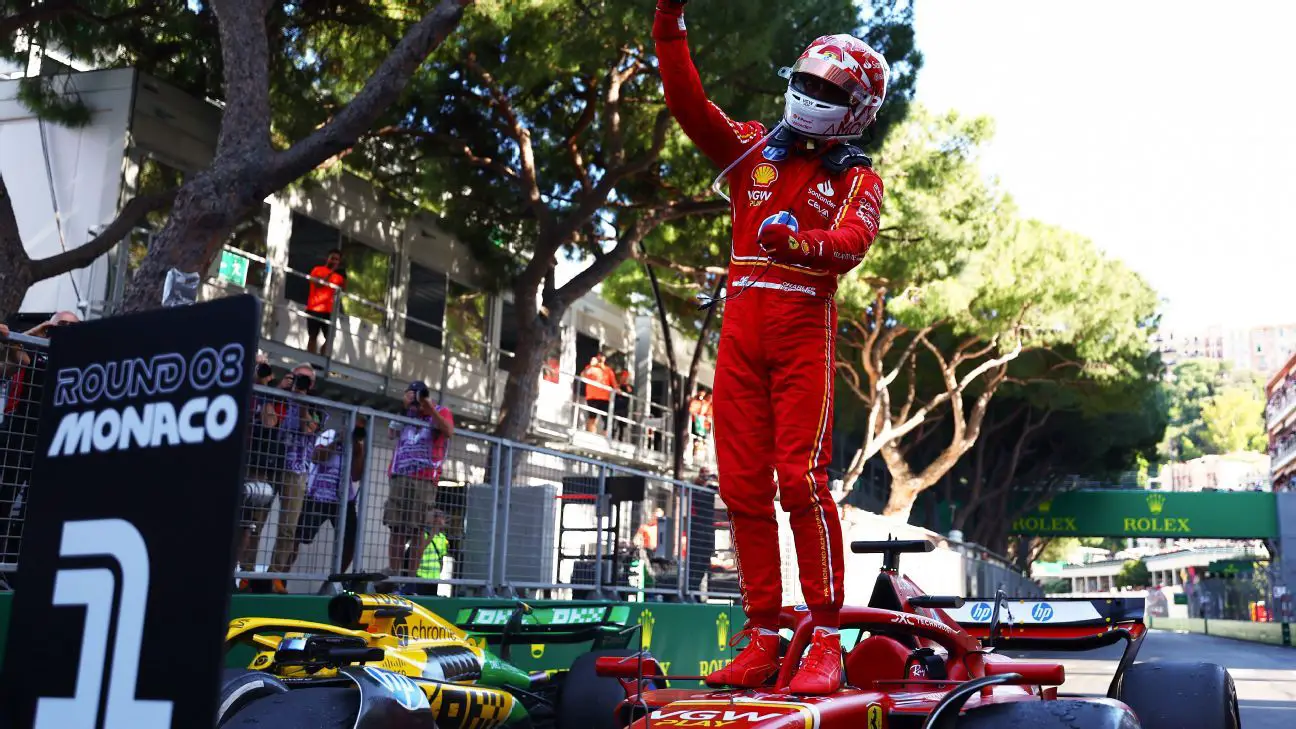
x,y
1265,675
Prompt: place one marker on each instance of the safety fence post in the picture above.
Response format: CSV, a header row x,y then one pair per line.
x,y
344,489
599,505
501,536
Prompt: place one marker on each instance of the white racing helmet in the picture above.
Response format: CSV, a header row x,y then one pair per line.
x,y
835,88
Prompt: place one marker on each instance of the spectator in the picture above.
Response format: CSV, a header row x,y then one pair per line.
x,y
20,406
600,381
322,488
646,538
700,422
325,282
265,463
433,545
415,469
297,434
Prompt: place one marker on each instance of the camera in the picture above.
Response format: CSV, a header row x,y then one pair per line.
x,y
302,382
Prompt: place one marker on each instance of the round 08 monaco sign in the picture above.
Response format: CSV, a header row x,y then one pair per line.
x,y
128,545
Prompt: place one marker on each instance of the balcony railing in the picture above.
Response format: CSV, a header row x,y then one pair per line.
x,y
1281,404
1284,453
465,370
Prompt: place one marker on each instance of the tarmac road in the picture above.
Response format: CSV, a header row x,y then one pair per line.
x,y
1265,675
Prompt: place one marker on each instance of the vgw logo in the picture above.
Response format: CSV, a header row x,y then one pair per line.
x,y
981,612
1042,612
106,603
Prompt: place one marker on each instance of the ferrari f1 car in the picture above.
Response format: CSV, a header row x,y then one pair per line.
x,y
921,661
385,662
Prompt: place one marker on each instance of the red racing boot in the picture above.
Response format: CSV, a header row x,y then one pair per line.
x,y
755,665
821,671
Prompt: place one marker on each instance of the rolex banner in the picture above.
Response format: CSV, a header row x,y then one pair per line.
x,y
127,559
1140,513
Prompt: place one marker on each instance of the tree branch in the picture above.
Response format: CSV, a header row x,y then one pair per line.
x,y
84,255
380,92
627,242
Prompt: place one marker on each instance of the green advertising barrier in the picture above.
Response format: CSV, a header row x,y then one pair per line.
x,y
1137,513
1272,633
687,639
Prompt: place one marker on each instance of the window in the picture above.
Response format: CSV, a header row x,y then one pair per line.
x,y
368,270
509,338
307,248
368,273
466,320
425,309
154,177
250,236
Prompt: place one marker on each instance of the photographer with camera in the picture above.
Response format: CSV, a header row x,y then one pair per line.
x,y
297,432
415,469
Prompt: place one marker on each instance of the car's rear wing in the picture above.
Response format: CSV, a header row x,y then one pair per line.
x,y
1066,611
1071,623
604,624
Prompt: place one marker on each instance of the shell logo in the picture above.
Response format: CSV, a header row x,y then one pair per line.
x,y
764,175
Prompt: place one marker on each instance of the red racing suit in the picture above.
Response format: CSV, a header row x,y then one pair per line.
x,y
773,394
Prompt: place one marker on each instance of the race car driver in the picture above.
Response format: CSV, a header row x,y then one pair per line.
x,y
805,210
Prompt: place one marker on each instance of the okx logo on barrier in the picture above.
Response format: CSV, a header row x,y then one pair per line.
x,y
132,513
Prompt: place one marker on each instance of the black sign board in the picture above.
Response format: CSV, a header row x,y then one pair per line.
x,y
128,551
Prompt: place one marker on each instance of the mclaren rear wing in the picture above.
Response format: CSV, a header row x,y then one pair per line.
x,y
1071,623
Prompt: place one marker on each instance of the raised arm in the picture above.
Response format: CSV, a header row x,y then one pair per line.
x,y
840,247
720,138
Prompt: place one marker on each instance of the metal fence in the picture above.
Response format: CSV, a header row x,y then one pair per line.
x,y
1256,593
490,517
494,517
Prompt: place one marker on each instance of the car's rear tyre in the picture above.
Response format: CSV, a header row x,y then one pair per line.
x,y
240,687
303,708
1172,694
587,700
1060,714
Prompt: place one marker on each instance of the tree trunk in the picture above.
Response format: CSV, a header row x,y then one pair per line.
x,y
15,265
536,337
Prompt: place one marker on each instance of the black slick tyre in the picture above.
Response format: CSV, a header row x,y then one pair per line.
x,y
1174,694
587,700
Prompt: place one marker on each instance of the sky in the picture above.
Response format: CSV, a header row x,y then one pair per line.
x,y
1161,130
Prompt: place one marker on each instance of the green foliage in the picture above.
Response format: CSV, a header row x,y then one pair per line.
x,y
1058,549
1057,587
555,84
1134,574
49,98
1233,421
937,213
1213,409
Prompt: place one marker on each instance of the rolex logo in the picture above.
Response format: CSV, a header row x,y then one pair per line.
x,y
722,630
1044,507
1156,502
537,650
646,620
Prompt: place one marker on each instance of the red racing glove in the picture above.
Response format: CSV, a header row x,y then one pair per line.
x,y
784,245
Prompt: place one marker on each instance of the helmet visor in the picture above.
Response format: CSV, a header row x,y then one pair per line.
x,y
834,75
820,89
